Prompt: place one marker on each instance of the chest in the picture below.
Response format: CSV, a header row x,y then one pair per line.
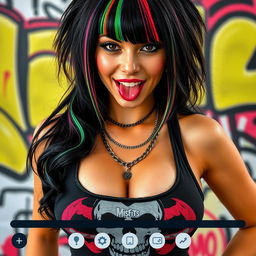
x,y
101,174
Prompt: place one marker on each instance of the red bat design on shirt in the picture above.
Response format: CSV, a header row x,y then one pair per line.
x,y
180,208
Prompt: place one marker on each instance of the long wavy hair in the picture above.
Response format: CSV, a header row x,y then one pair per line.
x,y
74,124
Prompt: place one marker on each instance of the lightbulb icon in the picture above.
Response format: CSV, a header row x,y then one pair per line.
x,y
76,240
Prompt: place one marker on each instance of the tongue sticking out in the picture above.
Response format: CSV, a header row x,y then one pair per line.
x,y
129,93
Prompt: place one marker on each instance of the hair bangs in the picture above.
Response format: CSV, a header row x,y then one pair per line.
x,y
129,21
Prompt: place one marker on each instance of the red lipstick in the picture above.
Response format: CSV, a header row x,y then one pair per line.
x,y
129,93
129,80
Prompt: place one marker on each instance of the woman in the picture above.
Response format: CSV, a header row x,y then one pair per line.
x,y
127,142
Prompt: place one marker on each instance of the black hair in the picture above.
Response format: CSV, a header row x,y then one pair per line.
x,y
70,130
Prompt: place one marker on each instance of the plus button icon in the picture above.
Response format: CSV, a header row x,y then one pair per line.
x,y
19,240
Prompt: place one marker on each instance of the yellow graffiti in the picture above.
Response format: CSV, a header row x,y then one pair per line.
x,y
43,92
40,40
13,149
9,92
232,47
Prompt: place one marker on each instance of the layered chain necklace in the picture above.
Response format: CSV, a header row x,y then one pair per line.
x,y
127,174
132,124
133,146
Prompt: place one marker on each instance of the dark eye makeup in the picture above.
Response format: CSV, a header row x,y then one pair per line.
x,y
113,47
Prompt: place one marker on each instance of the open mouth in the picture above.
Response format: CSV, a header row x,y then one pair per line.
x,y
129,91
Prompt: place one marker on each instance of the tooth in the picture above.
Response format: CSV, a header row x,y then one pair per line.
x,y
140,247
129,84
137,249
121,248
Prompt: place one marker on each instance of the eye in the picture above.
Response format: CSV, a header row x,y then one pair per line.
x,y
109,46
151,47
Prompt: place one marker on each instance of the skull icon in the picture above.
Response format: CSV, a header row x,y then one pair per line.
x,y
106,210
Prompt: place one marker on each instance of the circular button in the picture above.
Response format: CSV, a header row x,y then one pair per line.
x,y
129,240
157,240
19,240
76,240
183,240
102,240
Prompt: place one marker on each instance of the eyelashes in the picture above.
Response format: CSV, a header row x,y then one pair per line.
x,y
113,47
156,46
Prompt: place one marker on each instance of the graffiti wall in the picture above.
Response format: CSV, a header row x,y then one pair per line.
x,y
230,50
29,90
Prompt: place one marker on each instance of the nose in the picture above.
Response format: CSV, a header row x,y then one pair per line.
x,y
130,63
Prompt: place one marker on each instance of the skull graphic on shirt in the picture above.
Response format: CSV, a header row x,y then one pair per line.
x,y
111,211
120,211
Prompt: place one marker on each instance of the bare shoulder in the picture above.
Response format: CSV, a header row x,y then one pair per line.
x,y
200,121
201,135
203,129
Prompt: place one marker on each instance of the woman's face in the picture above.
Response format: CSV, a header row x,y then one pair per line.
x,y
129,71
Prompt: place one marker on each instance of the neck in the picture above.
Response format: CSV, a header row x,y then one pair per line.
x,y
128,115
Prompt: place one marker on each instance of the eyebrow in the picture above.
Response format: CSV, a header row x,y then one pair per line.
x,y
111,38
120,41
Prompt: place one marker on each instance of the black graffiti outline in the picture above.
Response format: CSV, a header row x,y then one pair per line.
x,y
47,7
220,4
209,97
22,59
251,65
10,190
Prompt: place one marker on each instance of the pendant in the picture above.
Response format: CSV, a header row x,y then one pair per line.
x,y
127,174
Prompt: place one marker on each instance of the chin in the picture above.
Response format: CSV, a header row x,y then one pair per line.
x,y
128,104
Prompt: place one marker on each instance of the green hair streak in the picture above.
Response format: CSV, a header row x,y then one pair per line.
x,y
117,25
117,22
79,127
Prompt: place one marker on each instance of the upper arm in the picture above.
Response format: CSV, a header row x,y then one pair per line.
x,y
38,192
226,173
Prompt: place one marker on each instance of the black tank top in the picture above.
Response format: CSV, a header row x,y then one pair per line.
x,y
183,201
